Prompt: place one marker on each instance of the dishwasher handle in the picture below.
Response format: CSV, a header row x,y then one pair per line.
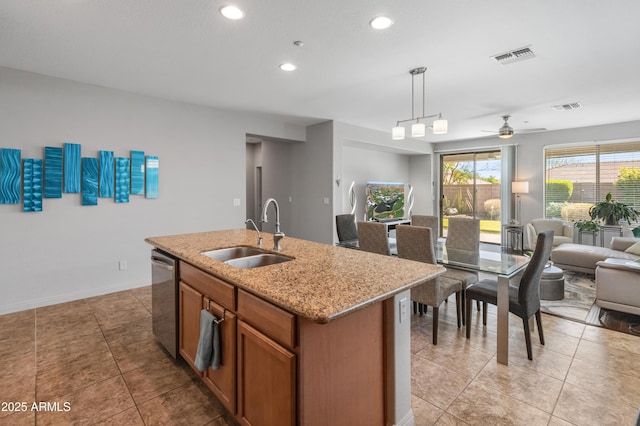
x,y
161,263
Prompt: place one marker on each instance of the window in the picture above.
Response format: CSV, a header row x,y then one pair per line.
x,y
578,176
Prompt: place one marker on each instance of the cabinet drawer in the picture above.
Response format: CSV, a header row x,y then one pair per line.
x,y
269,319
210,286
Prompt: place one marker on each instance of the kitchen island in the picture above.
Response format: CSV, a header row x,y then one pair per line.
x,y
321,339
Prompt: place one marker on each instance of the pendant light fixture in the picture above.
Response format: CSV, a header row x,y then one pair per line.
x,y
418,129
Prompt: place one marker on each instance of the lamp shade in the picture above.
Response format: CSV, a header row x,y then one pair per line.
x,y
440,126
418,130
520,187
397,133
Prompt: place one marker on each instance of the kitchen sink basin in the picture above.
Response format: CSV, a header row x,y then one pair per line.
x,y
232,253
257,260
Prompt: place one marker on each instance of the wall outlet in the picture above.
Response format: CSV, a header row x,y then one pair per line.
x,y
403,309
326,201
236,202
122,265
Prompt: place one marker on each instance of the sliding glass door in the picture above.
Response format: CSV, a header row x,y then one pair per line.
x,y
470,187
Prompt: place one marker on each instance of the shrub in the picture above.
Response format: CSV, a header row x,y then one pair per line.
x,y
554,210
576,211
492,207
559,191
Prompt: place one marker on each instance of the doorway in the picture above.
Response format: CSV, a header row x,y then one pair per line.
x,y
470,187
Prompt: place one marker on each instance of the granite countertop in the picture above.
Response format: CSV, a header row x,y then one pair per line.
x,y
322,283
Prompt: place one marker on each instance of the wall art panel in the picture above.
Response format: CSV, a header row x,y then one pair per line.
x,y
106,174
32,186
72,168
122,180
52,172
151,170
137,172
89,181
10,171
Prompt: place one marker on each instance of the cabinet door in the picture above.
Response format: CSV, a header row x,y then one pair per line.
x,y
222,381
190,307
266,380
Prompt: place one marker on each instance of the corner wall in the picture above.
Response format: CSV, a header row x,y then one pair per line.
x,y
69,251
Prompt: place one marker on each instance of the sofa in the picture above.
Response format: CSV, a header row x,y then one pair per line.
x,y
618,285
584,258
562,232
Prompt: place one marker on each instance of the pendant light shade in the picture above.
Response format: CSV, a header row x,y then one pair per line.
x,y
397,133
440,126
418,130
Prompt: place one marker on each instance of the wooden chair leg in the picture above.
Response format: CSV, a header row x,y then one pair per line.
x,y
539,324
435,325
484,312
415,308
467,310
527,337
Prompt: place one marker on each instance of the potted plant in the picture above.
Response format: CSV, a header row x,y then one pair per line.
x,y
587,225
611,211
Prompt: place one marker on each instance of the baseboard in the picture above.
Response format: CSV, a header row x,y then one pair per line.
x,y
69,297
407,420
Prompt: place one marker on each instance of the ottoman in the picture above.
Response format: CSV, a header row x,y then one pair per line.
x,y
552,283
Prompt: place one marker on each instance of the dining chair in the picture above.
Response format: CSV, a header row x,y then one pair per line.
x,y
428,222
524,300
372,237
463,234
416,243
346,227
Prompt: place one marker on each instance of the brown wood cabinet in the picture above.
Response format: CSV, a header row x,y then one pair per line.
x,y
266,380
279,369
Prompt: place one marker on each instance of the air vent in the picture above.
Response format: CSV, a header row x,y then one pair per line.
x,y
565,107
516,55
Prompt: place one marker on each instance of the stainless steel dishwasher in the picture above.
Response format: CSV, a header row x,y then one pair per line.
x,y
164,299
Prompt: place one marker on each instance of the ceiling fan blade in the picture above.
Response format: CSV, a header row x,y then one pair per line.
x,y
539,129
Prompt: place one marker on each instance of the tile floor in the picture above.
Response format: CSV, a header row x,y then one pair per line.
x,y
98,360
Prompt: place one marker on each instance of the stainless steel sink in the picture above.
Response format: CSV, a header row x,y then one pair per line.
x,y
232,253
257,260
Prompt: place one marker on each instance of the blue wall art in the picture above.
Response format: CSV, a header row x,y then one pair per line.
x,y
32,186
106,174
71,168
89,181
9,176
52,172
151,170
122,180
137,172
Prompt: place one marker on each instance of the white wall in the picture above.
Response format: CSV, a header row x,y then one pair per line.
x,y
71,251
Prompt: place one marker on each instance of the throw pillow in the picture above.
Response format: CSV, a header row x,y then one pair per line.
x,y
634,249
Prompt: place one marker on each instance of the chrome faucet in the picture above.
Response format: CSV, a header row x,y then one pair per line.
x,y
277,236
257,230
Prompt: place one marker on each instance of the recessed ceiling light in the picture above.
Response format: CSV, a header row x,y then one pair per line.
x,y
232,12
287,66
381,23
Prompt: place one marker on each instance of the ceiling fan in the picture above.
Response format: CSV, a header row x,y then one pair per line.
x,y
506,131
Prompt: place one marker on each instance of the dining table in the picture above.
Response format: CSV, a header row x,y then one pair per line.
x,y
507,267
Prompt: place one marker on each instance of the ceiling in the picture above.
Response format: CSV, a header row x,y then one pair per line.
x,y
587,51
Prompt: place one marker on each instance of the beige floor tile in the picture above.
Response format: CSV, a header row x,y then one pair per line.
x,y
555,421
522,383
457,355
615,359
187,405
67,309
582,406
155,379
135,355
62,378
544,361
91,404
17,324
111,319
120,301
143,294
21,362
482,405
64,326
20,418
129,417
17,389
562,326
613,339
69,351
129,333
424,414
448,420
435,384
616,385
